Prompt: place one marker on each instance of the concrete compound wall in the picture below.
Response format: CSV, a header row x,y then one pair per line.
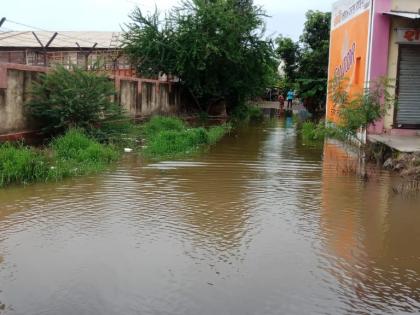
x,y
139,97
144,97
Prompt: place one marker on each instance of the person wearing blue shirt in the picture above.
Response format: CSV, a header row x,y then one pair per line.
x,y
290,97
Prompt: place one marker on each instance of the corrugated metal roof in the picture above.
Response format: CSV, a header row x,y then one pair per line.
x,y
63,39
407,15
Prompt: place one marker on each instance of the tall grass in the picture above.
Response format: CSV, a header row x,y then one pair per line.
x,y
22,165
72,154
76,153
170,136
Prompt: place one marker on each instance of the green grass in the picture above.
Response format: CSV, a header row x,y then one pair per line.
x,y
22,165
171,137
218,132
72,154
76,154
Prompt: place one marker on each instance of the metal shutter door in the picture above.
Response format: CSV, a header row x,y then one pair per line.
x,y
409,86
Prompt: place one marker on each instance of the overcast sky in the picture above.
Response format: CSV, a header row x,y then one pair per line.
x,y
287,16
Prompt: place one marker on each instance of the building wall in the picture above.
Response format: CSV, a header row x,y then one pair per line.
x,y
379,49
348,48
12,100
406,5
393,55
153,97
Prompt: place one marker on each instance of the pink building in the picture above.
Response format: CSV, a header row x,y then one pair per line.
x,y
379,38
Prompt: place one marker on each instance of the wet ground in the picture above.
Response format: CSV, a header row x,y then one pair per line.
x,y
261,224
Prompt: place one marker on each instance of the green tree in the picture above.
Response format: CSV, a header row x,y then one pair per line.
x,y
216,47
64,99
288,51
313,60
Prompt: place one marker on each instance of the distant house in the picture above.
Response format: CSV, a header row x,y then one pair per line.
x,y
89,50
371,39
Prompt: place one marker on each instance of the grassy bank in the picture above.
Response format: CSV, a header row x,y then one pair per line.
x,y
171,137
76,154
72,154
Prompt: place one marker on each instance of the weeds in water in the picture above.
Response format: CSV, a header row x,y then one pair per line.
x,y
218,132
20,164
76,153
72,154
169,137
317,132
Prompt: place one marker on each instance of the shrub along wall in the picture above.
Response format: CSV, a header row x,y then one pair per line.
x,y
139,97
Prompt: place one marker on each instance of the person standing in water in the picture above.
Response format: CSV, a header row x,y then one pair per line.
x,y
290,97
281,101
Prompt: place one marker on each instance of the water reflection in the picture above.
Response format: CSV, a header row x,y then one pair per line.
x,y
261,224
369,233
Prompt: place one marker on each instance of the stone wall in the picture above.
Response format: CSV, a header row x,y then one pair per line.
x,y
139,97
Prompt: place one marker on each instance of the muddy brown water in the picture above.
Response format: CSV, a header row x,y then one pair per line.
x,y
261,224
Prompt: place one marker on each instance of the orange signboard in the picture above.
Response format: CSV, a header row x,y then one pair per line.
x,y
348,53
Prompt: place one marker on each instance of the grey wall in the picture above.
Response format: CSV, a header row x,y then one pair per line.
x,y
138,97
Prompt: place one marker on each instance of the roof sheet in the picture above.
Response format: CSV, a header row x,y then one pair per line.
x,y
407,15
63,39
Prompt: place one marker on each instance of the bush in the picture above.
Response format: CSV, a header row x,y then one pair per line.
x,y
247,113
64,99
173,143
75,146
159,123
169,136
312,132
364,109
19,164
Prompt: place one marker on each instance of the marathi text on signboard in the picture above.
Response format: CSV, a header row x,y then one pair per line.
x,y
408,36
345,10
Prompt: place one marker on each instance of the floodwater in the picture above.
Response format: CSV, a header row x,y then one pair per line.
x,y
261,224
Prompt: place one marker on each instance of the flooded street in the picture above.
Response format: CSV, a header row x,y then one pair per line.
x,y
261,224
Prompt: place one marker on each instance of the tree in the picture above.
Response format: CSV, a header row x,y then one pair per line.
x,y
216,47
64,99
288,51
306,61
313,60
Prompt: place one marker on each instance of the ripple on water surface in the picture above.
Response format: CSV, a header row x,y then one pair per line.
x,y
261,224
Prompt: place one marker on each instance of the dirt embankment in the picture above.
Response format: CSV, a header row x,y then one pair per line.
x,y
406,164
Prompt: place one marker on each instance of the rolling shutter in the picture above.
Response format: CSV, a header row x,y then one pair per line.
x,y
409,87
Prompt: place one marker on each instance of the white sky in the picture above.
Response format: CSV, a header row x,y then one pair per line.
x,y
287,16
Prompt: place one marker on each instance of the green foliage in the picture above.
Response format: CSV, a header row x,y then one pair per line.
x,y
72,154
216,48
218,132
161,123
64,99
20,164
247,113
171,137
317,132
75,146
313,61
306,62
288,51
363,109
